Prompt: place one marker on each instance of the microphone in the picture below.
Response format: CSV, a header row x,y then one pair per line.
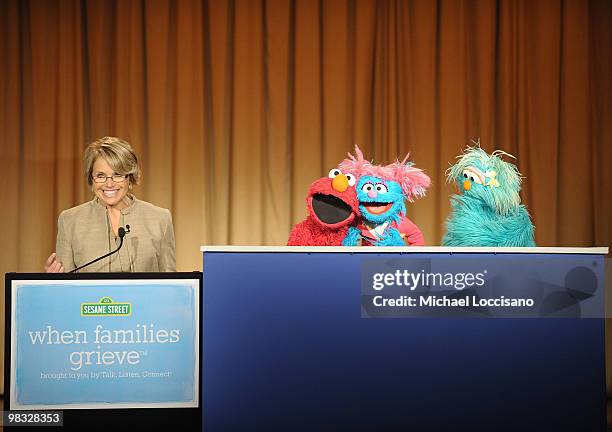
x,y
122,232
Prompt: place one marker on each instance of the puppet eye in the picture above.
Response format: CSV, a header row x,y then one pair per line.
x,y
367,187
381,188
351,179
334,172
471,175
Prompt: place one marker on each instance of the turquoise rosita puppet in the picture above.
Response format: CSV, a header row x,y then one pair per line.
x,y
382,192
488,210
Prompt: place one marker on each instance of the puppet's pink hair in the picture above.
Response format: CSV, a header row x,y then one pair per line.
x,y
412,180
355,165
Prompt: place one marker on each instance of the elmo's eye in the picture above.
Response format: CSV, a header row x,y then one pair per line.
x,y
465,175
334,172
351,179
367,187
381,188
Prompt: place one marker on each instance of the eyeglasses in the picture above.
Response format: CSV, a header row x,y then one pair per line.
x,y
101,178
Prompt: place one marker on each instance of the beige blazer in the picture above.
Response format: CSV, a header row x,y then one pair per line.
x,y
84,233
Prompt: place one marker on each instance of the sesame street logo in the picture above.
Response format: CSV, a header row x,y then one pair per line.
x,y
106,307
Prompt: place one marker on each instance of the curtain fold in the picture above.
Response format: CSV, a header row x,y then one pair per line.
x,y
235,107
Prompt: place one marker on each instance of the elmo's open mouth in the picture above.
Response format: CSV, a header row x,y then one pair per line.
x,y
330,209
376,207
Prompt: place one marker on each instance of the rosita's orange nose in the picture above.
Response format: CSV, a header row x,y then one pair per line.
x,y
467,185
340,183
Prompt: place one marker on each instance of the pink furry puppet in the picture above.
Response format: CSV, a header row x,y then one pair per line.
x,y
382,192
332,208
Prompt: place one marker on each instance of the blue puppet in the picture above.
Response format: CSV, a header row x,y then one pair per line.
x,y
382,192
488,212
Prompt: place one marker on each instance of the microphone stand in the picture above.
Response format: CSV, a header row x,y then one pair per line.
x,y
122,232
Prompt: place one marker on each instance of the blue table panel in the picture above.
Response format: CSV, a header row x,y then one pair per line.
x,y
285,348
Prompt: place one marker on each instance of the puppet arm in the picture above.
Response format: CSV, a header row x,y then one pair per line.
x,y
352,237
411,233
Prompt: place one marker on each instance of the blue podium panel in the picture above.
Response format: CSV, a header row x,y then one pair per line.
x,y
286,348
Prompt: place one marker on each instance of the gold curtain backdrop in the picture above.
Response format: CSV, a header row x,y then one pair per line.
x,y
236,107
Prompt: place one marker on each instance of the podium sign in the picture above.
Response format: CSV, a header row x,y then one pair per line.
x,y
103,342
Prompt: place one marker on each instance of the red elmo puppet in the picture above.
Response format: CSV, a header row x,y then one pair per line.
x,y
332,208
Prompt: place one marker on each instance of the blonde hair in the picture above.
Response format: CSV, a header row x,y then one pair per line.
x,y
118,153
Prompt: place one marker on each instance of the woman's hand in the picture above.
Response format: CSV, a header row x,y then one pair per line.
x,y
52,265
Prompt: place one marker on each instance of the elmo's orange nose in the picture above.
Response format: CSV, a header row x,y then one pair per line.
x,y
340,183
467,185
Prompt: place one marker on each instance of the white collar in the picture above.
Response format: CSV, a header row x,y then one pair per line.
x,y
378,230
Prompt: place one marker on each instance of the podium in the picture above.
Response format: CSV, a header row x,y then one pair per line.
x,y
292,341
109,350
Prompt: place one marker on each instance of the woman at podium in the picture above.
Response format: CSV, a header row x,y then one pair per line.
x,y
135,235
